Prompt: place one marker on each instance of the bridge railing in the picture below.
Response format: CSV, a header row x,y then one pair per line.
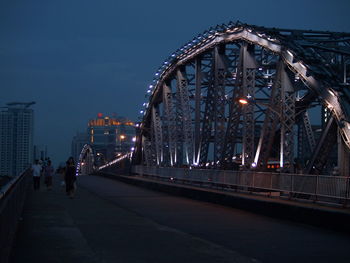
x,y
12,196
333,189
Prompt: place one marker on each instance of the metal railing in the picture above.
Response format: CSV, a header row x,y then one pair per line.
x,y
12,196
334,189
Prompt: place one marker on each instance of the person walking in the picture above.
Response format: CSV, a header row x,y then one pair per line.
x,y
48,172
70,177
36,171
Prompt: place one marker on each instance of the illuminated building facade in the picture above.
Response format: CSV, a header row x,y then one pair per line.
x,y
16,138
110,136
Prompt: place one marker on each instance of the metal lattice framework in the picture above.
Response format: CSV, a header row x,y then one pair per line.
x,y
86,162
194,117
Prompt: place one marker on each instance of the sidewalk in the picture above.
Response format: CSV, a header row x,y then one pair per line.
x,y
90,229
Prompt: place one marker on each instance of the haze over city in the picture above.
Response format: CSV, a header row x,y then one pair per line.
x,y
79,58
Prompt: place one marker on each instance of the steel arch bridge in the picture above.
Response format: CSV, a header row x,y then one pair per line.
x,y
86,161
243,94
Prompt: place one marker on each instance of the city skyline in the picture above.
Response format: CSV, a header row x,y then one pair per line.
x,y
76,62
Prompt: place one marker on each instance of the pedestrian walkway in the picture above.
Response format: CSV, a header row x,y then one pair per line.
x,y
89,228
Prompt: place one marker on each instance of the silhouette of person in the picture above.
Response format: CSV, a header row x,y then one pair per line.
x,y
70,177
48,172
36,171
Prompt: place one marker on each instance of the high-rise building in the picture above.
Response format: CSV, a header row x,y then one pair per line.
x,y
111,136
16,138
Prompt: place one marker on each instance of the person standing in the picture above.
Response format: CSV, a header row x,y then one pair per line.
x,y
70,177
48,172
36,171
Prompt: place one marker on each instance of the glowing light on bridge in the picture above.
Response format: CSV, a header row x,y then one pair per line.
x,y
128,155
243,101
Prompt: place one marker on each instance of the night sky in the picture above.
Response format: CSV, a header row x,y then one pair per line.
x,y
77,58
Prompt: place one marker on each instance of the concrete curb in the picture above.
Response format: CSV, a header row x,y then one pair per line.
x,y
332,218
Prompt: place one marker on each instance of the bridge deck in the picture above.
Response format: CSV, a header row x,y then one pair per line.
x,y
109,221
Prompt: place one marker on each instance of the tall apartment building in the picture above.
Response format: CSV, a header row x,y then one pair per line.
x,y
16,138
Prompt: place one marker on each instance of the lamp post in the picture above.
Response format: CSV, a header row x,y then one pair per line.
x,y
244,101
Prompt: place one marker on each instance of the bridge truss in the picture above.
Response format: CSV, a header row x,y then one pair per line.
x,y
246,95
86,162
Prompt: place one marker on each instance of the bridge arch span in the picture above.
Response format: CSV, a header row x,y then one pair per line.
x,y
86,161
195,116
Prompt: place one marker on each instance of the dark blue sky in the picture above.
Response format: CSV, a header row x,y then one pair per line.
x,y
76,58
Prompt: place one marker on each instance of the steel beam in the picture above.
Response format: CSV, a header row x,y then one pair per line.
x,y
186,115
308,130
343,157
287,123
219,103
147,151
197,117
248,87
323,148
158,135
208,119
171,122
179,127
271,120
235,113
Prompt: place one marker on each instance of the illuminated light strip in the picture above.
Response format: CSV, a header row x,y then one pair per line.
x,y
128,155
83,151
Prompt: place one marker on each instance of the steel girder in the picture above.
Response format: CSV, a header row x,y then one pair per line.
x,y
306,139
234,118
171,123
208,119
271,120
248,88
324,147
158,135
186,116
179,128
87,156
219,103
287,123
147,151
308,130
197,117
318,60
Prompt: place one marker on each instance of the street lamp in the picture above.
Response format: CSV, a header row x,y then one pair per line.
x,y
244,101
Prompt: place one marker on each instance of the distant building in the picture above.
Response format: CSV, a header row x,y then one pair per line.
x,y
16,138
78,142
40,152
111,137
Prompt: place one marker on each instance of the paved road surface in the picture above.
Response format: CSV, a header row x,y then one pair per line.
x,y
110,221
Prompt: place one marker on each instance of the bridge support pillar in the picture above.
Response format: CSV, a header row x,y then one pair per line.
x,y
343,157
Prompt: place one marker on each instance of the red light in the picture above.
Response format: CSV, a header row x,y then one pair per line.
x,y
100,115
272,166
